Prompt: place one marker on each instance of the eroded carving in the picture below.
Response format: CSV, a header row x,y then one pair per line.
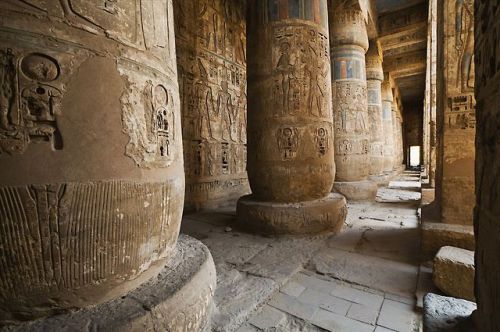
x,y
30,101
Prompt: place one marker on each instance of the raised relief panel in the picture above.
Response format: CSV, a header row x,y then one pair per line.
x,y
30,101
300,77
211,53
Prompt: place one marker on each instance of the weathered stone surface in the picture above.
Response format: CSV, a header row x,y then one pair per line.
x,y
291,165
443,313
91,169
454,272
457,102
387,99
309,217
357,190
211,52
487,210
179,298
438,235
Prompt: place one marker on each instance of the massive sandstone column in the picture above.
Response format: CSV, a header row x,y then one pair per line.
x,y
456,117
349,41
291,166
374,78
487,210
211,52
91,165
387,99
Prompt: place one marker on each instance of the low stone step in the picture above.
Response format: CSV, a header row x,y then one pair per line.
x,y
454,272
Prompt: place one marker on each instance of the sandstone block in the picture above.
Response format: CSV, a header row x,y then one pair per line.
x,y
454,272
443,313
438,235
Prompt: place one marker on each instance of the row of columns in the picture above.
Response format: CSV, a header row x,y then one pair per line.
x,y
300,144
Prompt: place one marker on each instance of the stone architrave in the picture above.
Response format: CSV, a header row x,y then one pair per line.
x,y
387,99
374,78
91,161
291,164
487,209
349,43
211,51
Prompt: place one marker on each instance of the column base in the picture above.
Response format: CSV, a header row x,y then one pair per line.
x,y
358,190
311,217
180,298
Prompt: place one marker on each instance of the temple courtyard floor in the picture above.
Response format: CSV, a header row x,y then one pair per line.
x,y
367,278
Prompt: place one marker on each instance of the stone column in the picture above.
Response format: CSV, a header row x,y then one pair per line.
x,y
91,165
395,132
387,99
487,210
349,41
400,151
211,53
456,107
374,78
290,153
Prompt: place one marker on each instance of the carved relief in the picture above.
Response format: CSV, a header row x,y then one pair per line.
x,y
463,112
211,53
321,138
300,77
30,101
150,123
464,44
351,108
288,142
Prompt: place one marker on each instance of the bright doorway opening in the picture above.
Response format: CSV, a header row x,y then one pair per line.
x,y
414,156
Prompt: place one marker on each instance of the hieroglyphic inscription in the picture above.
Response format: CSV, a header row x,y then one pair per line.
x,y
30,100
288,142
211,58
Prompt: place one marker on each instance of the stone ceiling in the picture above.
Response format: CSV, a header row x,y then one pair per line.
x,y
402,31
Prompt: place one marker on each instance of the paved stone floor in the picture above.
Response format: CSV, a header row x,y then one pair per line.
x,y
364,279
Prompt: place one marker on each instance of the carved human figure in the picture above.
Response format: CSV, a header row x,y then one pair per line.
x,y
205,107
225,110
464,42
316,73
285,68
243,118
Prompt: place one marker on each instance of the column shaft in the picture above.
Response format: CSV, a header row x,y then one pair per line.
x,y
91,169
374,78
352,127
290,134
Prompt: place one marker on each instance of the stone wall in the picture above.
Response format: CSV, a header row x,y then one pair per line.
x,y
487,212
455,190
211,53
